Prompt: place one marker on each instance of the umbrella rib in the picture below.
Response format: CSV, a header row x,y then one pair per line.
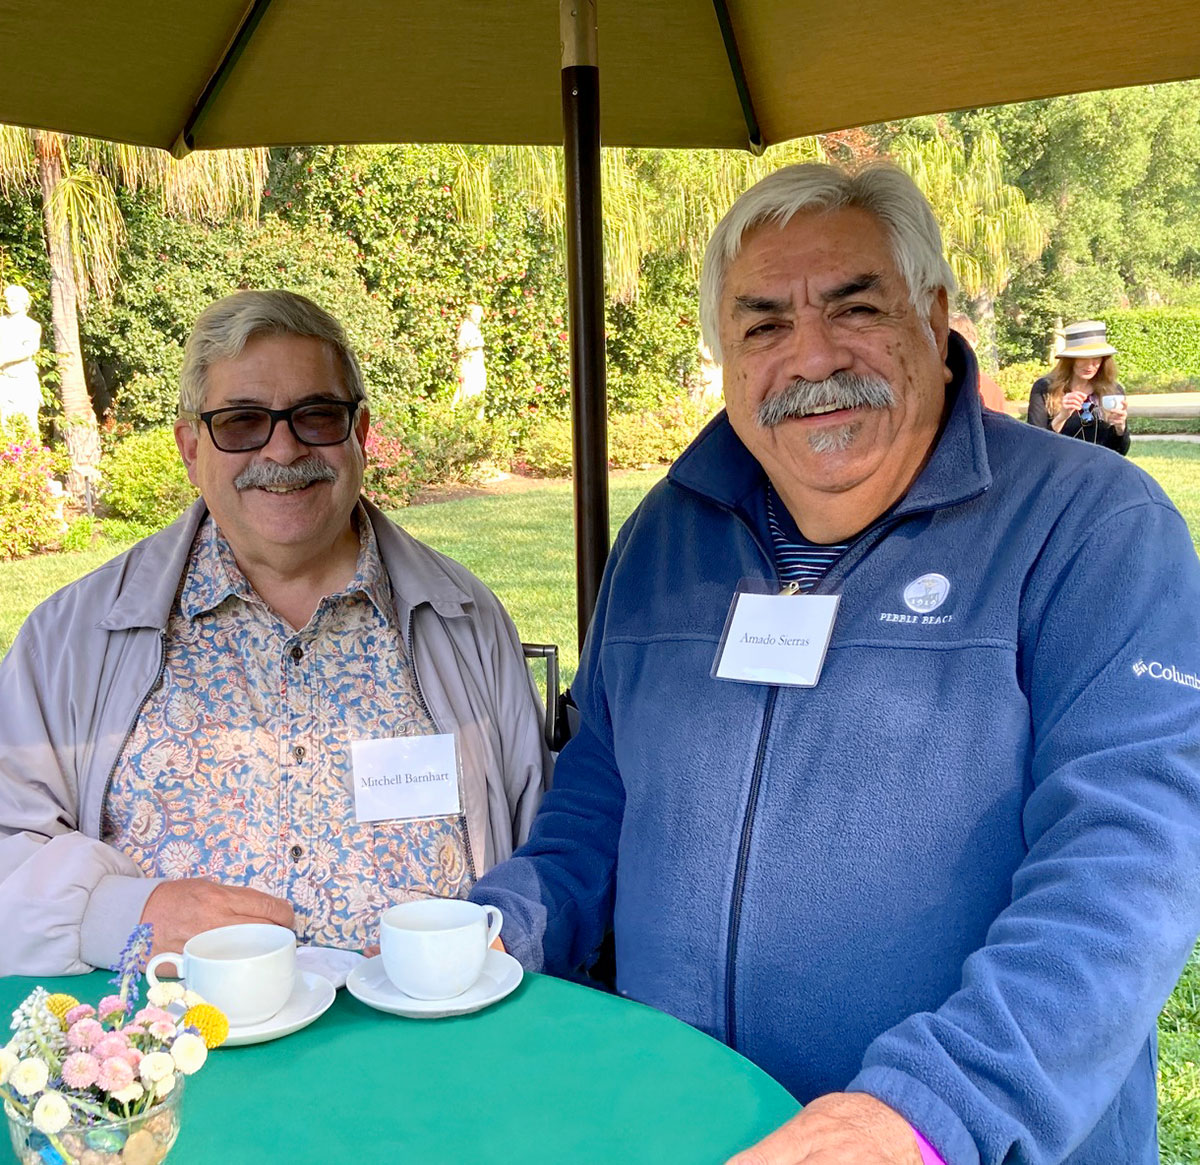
x,y
237,46
753,131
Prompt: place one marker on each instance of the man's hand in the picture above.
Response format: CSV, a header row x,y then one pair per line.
x,y
840,1128
183,907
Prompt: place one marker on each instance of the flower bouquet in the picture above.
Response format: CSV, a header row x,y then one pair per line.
x,y
86,1085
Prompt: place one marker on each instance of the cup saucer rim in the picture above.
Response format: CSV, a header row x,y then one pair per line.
x,y
281,1024
369,984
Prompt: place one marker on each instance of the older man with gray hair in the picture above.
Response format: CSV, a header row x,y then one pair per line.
x,y
887,773
192,734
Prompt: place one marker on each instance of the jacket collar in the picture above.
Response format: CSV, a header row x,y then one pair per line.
x,y
719,467
145,599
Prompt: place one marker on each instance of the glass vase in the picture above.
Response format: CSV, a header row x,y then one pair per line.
x,y
144,1139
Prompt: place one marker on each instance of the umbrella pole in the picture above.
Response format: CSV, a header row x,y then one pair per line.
x,y
585,299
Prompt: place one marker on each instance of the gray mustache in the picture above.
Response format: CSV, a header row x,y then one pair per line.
x,y
843,390
271,473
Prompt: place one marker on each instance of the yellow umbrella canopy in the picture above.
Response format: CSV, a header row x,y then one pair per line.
x,y
488,70
206,74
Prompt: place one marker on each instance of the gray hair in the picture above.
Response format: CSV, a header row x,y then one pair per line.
x,y
224,328
883,190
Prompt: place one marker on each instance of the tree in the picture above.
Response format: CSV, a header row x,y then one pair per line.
x,y
987,226
75,180
1114,175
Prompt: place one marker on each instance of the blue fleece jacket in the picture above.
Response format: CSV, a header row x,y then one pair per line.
x,y
963,872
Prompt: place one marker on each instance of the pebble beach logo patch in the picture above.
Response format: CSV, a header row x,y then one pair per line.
x,y
922,597
1166,671
926,593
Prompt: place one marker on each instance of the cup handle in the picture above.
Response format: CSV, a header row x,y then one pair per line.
x,y
158,960
494,924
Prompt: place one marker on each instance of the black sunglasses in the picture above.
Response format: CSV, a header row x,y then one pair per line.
x,y
244,428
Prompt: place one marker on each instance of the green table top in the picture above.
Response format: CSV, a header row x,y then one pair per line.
x,y
555,1073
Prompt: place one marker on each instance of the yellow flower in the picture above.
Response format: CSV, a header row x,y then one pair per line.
x,y
209,1021
58,1006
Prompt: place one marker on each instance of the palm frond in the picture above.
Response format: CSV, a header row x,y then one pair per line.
x,y
84,204
18,169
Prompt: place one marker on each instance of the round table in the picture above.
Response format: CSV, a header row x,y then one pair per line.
x,y
556,1073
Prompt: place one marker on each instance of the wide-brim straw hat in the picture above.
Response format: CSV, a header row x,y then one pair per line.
x,y
1086,338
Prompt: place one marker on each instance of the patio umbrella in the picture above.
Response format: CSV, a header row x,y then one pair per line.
x,y
727,73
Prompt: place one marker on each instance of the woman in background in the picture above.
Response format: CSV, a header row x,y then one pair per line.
x,y
1081,397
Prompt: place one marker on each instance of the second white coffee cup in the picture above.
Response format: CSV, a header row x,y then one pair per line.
x,y
435,948
247,970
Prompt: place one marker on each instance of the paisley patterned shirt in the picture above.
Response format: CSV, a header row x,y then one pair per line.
x,y
239,768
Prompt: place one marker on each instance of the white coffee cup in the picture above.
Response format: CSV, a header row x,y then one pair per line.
x,y
435,948
247,970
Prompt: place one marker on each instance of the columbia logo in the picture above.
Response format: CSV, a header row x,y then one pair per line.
x,y
1166,671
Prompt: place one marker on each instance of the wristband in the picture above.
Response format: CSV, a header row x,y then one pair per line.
x,y
929,1155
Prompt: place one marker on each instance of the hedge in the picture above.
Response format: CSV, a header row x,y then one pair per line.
x,y
1155,343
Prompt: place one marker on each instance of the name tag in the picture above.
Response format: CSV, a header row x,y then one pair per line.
x,y
404,777
776,639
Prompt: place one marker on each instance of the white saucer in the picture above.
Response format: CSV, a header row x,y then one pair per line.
x,y
334,964
501,976
309,999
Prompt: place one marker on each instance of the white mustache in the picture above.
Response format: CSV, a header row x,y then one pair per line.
x,y
270,473
842,390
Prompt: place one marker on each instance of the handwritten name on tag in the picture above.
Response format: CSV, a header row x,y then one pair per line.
x,y
777,639
405,777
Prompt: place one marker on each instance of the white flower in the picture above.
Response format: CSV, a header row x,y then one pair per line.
x,y
128,1094
29,1077
155,1066
163,994
189,1053
8,1061
191,998
164,1086
51,1114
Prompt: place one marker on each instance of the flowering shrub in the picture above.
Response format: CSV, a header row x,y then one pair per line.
x,y
388,481
72,1064
30,505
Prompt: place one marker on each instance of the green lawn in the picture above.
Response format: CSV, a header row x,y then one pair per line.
x,y
521,545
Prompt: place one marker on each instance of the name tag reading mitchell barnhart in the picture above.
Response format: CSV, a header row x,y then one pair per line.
x,y
776,639
405,777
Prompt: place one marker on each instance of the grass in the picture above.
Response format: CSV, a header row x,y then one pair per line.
x,y
521,544
1175,465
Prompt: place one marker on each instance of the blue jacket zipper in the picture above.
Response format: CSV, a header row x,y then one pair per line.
x,y
835,575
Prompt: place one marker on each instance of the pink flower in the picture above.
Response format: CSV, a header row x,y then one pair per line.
x,y
79,1070
114,1075
162,1029
112,1044
149,1014
80,1011
84,1033
110,1005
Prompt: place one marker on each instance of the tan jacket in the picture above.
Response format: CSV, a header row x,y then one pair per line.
x,y
75,679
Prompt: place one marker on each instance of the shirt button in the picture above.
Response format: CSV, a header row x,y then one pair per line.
x,y
297,653
296,853
298,752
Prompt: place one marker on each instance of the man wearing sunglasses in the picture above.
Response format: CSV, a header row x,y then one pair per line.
x,y
219,726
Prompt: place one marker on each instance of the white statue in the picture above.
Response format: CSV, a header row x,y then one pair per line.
x,y
472,374
20,338
709,381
